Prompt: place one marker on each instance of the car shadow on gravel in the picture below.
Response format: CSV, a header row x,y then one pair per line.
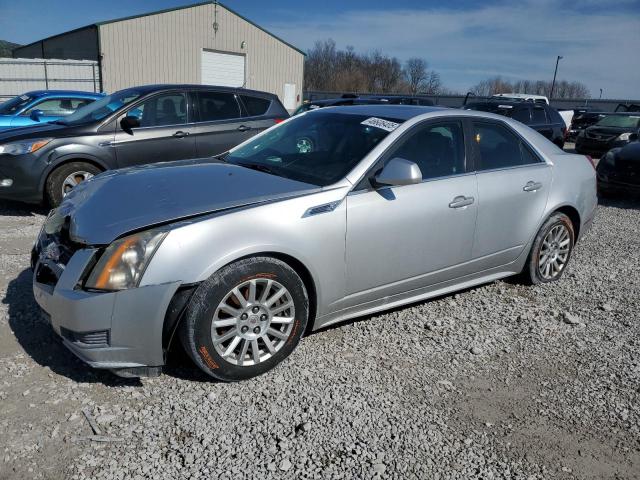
x,y
39,341
17,209
630,202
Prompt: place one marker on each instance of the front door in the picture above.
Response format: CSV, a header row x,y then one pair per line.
x,y
401,238
163,135
513,186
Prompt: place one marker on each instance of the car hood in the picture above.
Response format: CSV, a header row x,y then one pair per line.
x,y
121,201
608,131
38,130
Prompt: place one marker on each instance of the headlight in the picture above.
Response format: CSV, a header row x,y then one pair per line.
x,y
624,137
26,146
124,261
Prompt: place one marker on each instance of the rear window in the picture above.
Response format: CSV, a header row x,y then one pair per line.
x,y
255,105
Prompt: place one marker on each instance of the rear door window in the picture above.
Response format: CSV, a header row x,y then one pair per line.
x,y
522,115
255,106
214,106
499,147
538,116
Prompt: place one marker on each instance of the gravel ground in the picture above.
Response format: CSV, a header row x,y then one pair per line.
x,y
499,381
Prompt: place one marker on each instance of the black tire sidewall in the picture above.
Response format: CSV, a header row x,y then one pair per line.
x,y
195,331
53,186
555,219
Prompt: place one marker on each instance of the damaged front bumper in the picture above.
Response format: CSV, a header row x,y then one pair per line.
x,y
120,331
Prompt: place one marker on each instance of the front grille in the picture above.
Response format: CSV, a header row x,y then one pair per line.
x,y
98,338
599,136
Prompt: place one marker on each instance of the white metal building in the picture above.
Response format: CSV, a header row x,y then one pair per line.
x,y
204,43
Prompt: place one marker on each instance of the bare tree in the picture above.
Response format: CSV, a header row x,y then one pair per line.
x,y
563,88
330,69
415,72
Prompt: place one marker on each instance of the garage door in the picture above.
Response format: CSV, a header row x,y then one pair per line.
x,y
222,69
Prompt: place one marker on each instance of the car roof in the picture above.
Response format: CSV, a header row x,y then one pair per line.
x,y
499,101
43,93
186,86
400,112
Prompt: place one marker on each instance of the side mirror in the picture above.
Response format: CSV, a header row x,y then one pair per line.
x,y
398,172
634,136
36,114
128,123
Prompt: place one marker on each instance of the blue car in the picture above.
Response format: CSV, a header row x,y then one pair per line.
x,y
41,106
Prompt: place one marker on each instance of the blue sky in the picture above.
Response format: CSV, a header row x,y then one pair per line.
x,y
466,41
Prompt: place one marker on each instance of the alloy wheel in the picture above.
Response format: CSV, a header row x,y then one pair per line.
x,y
73,180
554,252
253,322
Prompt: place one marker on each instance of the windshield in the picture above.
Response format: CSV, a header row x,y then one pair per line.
x,y
102,108
319,147
621,121
13,106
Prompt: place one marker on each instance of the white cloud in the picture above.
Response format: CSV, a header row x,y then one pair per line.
x,y
600,49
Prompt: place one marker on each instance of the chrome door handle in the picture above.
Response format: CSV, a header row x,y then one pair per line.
x,y
532,186
243,128
180,134
461,201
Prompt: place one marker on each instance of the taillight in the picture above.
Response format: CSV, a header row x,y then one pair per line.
x,y
591,160
278,120
564,132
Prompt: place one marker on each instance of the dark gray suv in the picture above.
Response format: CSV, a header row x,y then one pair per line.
x,y
153,123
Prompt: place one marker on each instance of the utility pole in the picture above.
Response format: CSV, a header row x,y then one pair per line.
x,y
553,84
600,94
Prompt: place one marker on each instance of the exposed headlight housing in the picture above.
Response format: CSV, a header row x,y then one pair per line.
x,y
123,263
624,137
24,147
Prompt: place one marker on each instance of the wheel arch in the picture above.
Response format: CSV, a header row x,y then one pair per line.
x,y
573,215
175,312
65,160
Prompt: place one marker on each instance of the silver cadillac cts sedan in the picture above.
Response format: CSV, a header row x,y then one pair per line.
x,y
333,214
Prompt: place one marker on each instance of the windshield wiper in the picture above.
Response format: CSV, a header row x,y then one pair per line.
x,y
222,157
257,166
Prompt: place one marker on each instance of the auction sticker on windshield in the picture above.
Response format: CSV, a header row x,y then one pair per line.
x,y
380,123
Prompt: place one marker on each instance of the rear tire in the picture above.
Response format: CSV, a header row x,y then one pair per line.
x,y
551,250
245,319
62,180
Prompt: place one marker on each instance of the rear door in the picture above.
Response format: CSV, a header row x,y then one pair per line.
x,y
164,134
220,124
513,186
261,113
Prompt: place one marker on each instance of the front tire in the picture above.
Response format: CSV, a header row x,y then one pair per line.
x,y
551,250
245,319
64,178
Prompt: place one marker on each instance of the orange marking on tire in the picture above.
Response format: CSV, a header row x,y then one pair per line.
x,y
204,353
295,330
